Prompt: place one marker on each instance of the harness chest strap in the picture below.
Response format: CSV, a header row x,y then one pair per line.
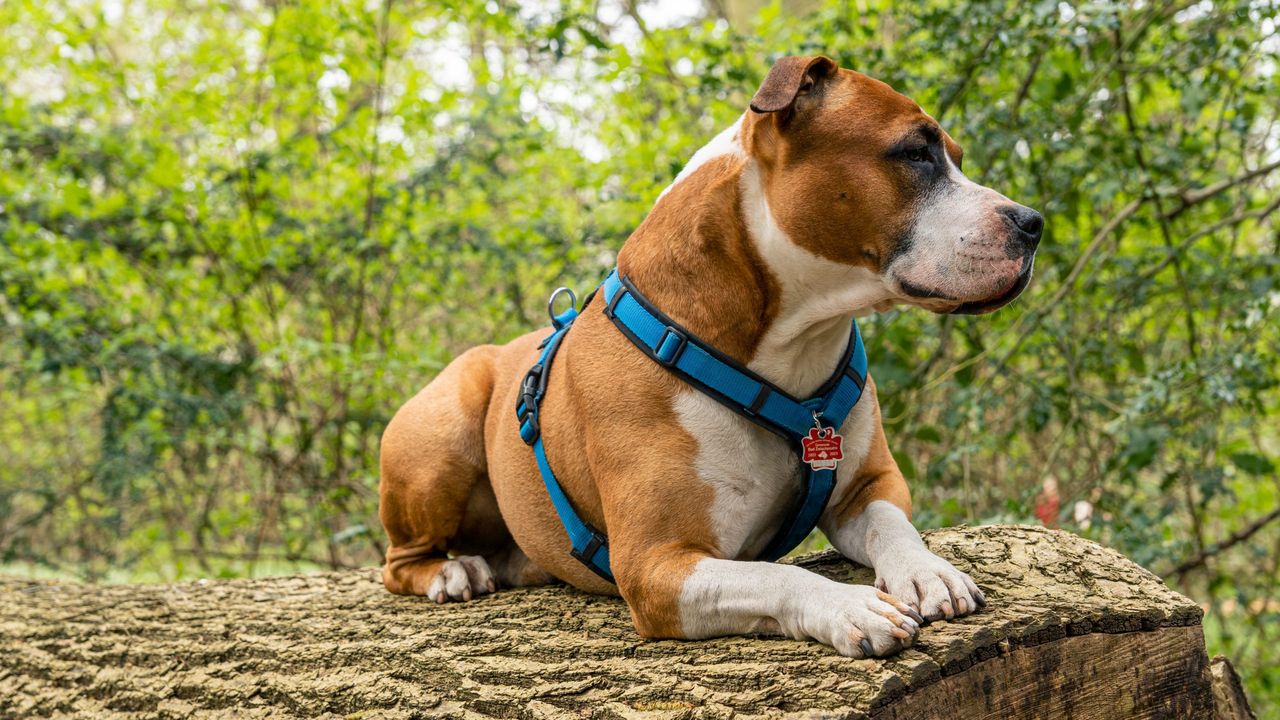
x,y
809,425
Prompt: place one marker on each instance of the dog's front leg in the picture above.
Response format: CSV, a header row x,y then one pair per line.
x,y
870,524
692,595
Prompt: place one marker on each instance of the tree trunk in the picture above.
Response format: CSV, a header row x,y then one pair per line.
x,y
1072,630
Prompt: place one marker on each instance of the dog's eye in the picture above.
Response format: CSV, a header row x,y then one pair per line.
x,y
918,154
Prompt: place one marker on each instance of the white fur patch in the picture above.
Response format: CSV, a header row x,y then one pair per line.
x,y
754,473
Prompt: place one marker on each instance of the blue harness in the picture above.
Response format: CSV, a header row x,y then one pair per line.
x,y
721,378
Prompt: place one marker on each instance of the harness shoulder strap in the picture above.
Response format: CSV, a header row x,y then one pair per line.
x,y
724,379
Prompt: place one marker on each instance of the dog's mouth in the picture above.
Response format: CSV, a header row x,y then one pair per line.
x,y
921,293
941,302
981,307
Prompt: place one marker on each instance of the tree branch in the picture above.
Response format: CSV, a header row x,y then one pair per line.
x,y
1258,214
1191,197
1236,538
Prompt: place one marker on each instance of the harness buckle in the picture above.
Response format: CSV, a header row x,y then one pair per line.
x,y
586,554
670,346
529,387
527,405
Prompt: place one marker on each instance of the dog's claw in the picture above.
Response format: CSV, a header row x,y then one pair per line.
x,y
867,650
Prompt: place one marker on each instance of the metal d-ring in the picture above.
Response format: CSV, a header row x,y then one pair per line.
x,y
573,301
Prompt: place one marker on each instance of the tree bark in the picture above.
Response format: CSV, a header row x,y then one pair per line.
x,y
1072,630
1229,700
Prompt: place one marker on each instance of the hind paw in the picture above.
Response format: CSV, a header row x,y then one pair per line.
x,y
461,579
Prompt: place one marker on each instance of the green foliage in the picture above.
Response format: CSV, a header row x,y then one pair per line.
x,y
236,236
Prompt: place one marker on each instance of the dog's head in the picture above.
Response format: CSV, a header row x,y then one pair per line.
x,y
857,173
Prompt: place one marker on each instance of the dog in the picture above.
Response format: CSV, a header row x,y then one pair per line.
x,y
832,196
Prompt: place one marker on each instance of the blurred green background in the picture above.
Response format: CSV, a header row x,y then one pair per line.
x,y
236,235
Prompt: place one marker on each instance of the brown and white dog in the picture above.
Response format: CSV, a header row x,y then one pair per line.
x,y
833,196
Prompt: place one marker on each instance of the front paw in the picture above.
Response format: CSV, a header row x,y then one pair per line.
x,y
930,586
859,621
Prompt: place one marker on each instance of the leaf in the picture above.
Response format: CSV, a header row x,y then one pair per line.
x,y
928,433
1252,463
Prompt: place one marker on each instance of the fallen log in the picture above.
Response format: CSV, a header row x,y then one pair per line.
x,y
1072,630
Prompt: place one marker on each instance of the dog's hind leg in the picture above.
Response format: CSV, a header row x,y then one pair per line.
x,y
435,494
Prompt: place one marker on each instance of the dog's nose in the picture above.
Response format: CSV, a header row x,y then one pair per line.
x,y
1029,225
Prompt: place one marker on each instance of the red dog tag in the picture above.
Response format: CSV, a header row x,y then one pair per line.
x,y
823,448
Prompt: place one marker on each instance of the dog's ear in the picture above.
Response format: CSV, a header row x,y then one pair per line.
x,y
788,79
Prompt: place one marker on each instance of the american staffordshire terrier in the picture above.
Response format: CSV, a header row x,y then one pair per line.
x,y
832,196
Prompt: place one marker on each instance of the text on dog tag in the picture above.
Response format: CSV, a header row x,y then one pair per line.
x,y
823,448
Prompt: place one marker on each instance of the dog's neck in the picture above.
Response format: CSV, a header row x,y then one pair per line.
x,y
711,255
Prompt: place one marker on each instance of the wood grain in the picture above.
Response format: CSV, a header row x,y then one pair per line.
x,y
1066,620
1152,675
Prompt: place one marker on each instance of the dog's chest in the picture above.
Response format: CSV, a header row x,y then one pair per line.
x,y
755,475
